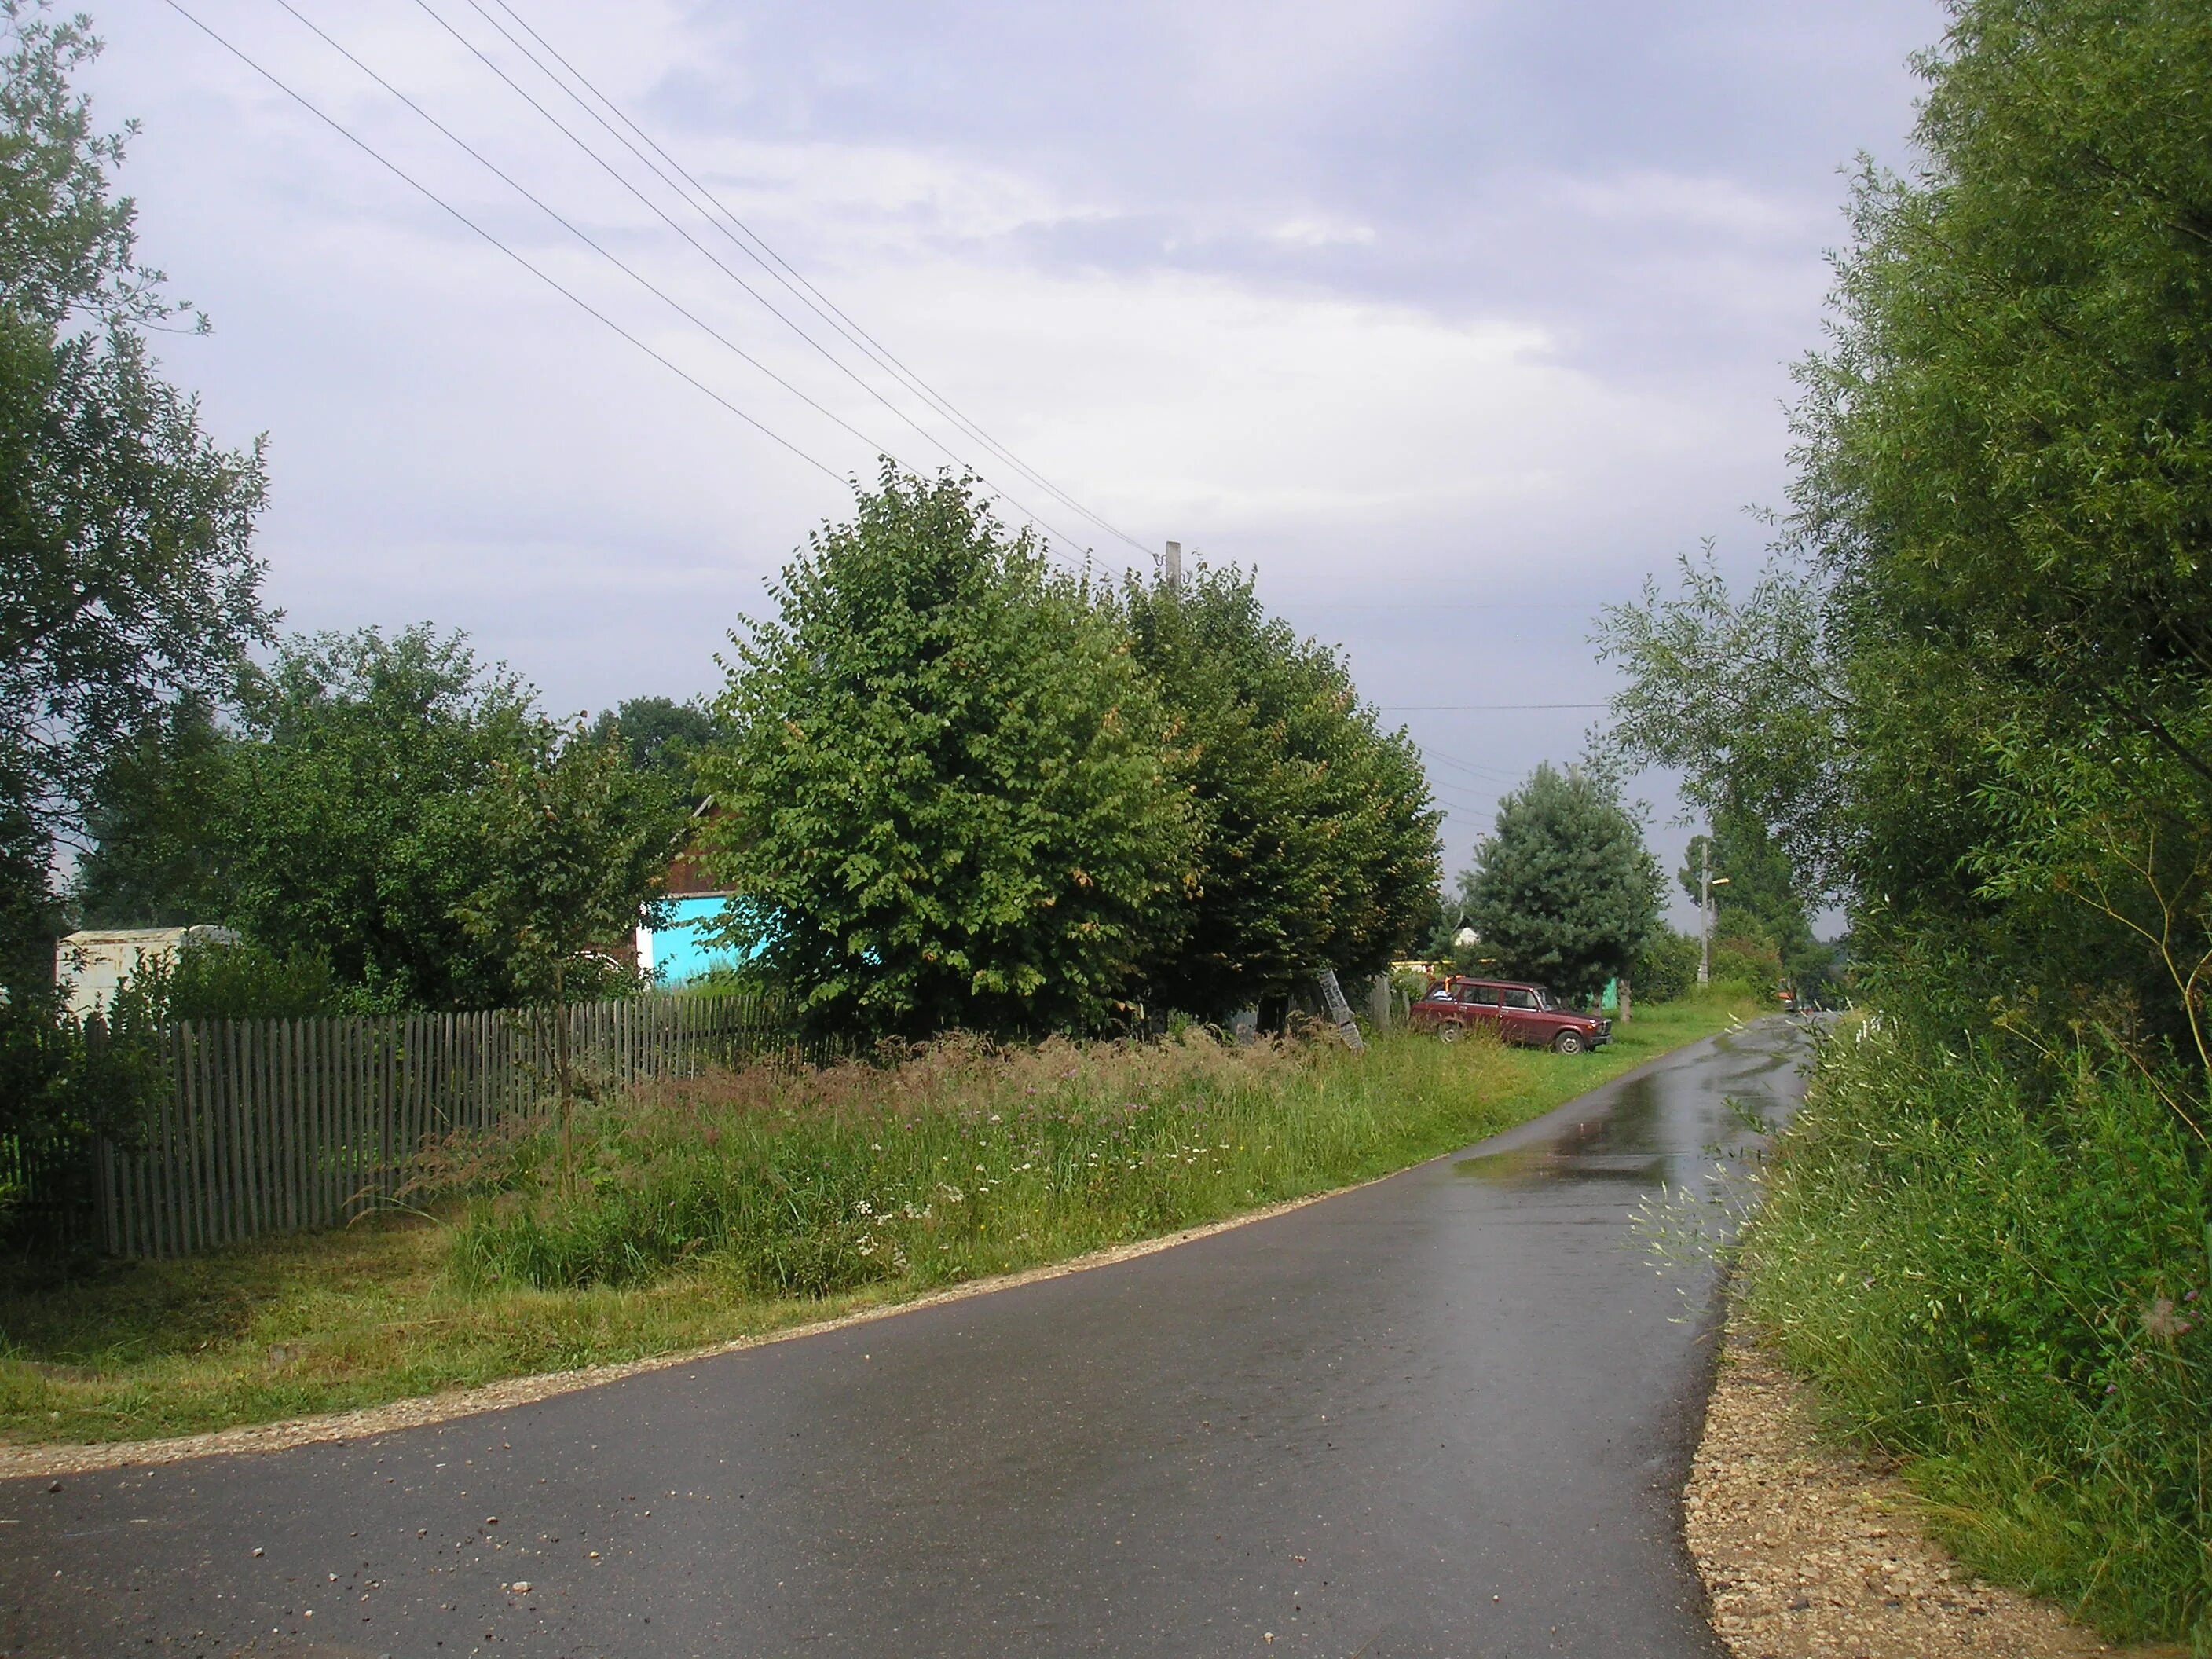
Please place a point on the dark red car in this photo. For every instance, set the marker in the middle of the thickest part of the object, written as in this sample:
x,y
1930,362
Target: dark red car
x,y
1519,1013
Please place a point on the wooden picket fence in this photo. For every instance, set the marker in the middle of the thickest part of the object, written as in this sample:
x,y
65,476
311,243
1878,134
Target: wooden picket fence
x,y
285,1125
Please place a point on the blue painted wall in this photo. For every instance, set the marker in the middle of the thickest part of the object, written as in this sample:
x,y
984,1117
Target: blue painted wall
x,y
679,951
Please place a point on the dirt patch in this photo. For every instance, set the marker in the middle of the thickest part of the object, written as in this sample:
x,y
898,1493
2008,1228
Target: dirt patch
x,y
1808,1551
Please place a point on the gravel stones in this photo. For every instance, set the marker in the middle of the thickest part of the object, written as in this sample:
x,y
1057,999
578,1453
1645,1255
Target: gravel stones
x,y
1807,1550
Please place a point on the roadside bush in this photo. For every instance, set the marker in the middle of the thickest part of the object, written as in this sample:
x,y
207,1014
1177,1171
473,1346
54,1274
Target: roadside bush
x,y
248,981
1668,969
2006,1283
1751,965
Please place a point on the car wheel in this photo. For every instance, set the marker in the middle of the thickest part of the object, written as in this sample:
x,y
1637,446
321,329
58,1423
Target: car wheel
x,y
1449,1031
1568,1042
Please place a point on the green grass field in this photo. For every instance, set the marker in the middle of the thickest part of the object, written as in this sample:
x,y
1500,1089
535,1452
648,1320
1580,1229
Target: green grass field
x,y
737,1204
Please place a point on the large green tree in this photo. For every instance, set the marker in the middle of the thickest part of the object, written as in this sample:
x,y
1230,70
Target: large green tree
x,y
1989,626
1563,891
126,577
1761,901
658,734
344,807
1318,843
579,843
946,798
1974,690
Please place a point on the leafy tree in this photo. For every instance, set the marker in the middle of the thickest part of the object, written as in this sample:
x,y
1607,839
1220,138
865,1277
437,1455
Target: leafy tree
x,y
337,811
356,820
1761,905
1564,892
153,816
578,846
1317,842
1973,694
126,578
945,793
658,734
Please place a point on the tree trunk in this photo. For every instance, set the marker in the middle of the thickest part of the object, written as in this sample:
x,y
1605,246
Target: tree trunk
x,y
1624,999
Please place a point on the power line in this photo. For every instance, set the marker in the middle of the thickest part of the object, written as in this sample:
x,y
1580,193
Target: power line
x,y
1480,773
615,259
575,299
777,266
706,253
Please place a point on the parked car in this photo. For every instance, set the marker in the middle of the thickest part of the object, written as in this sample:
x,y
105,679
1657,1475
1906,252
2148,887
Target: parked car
x,y
1518,1012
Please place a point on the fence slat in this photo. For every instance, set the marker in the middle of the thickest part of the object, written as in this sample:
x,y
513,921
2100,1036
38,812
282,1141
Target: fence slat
x,y
288,1125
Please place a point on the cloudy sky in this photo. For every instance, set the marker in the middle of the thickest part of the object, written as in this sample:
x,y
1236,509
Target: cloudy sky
x,y
1455,319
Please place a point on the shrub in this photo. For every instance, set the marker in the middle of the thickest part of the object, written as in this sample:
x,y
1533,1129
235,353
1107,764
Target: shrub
x,y
2007,1285
1668,969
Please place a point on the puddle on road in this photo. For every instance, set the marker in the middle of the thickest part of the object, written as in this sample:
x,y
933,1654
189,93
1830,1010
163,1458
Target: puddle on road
x,y
1534,1163
1666,1127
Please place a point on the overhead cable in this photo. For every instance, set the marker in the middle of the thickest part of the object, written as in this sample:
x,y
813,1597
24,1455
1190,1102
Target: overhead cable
x,y
566,292
706,253
774,263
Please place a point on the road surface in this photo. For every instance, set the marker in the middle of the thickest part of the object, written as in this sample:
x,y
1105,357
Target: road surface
x,y
1447,1413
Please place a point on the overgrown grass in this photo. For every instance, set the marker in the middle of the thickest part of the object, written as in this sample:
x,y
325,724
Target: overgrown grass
x,y
750,1201
2007,1287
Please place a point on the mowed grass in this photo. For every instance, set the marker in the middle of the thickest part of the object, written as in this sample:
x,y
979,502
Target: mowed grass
x,y
743,1203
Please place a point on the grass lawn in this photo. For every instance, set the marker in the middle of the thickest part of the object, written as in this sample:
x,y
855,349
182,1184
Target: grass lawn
x,y
703,1211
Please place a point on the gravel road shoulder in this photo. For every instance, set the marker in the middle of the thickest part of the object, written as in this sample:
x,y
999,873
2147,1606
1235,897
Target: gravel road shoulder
x,y
1808,1550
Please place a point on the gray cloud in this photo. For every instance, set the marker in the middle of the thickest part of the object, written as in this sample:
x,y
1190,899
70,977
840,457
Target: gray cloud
x,y
1454,318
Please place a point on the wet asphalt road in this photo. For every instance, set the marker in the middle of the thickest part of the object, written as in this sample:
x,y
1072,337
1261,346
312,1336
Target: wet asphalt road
x,y
1447,1413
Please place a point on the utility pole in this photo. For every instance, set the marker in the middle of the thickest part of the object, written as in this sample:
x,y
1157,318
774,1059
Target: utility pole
x,y
1706,882
1171,565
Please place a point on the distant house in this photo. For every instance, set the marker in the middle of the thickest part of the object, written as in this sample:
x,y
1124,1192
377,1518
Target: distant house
x,y
682,950
91,964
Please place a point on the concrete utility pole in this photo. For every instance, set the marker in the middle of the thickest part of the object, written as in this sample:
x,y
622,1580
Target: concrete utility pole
x,y
1706,882
1171,565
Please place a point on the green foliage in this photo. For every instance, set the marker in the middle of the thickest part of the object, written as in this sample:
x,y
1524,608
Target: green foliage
x,y
578,847
658,734
1973,695
364,801
354,821
946,796
1563,891
247,980
1744,698
2004,1277
65,1081
1666,967
160,797
1760,917
1318,844
126,580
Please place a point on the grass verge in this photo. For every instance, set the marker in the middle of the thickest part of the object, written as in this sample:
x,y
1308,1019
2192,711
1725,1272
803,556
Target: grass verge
x,y
742,1204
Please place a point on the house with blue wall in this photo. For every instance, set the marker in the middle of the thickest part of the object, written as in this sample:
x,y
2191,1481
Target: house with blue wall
x,y
681,951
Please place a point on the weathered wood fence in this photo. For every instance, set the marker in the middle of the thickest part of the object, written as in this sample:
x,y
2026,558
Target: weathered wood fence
x,y
283,1125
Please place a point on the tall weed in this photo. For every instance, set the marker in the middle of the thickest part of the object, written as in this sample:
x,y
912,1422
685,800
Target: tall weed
x,y
960,1157
2003,1279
